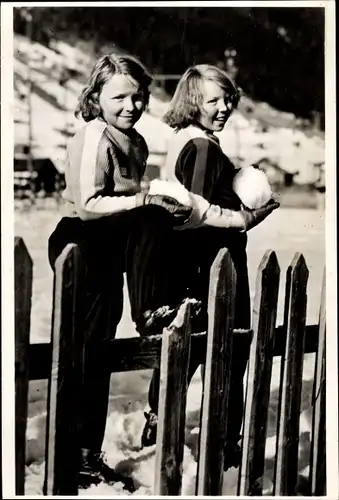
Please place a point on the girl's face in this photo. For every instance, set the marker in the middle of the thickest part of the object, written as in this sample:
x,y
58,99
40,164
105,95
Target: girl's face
x,y
216,106
121,101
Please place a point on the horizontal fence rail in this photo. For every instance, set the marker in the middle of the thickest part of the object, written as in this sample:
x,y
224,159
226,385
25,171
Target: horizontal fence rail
x,y
143,353
62,362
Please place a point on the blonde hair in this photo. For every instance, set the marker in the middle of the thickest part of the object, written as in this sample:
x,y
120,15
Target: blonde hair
x,y
184,108
107,66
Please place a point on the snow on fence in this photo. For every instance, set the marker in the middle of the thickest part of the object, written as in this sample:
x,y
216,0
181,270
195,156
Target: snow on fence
x,y
62,361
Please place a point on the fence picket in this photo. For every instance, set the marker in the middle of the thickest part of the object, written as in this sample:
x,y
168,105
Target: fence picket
x,y
288,438
281,338
217,375
23,302
259,376
62,450
318,447
175,353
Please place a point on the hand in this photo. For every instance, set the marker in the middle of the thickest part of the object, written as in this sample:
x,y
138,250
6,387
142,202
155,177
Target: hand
x,y
180,212
253,217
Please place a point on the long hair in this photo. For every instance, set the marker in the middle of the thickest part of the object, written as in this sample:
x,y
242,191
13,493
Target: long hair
x,y
184,108
108,65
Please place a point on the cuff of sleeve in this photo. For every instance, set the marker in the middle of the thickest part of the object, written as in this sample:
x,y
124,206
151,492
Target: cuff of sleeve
x,y
140,199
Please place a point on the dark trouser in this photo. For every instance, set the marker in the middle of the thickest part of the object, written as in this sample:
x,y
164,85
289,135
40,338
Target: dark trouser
x,y
140,243
198,250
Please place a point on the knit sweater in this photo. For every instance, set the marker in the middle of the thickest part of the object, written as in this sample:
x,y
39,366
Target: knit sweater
x,y
196,160
103,171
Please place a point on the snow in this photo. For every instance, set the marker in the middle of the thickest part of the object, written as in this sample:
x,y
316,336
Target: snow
x,y
122,451
242,137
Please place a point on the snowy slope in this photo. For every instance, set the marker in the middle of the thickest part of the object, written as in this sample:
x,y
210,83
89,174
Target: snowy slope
x,y
243,138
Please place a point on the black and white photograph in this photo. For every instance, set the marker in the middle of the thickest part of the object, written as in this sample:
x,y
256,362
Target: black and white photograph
x,y
168,182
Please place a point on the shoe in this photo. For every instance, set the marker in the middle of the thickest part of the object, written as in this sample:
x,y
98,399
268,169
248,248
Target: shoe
x,y
153,322
232,455
94,470
149,434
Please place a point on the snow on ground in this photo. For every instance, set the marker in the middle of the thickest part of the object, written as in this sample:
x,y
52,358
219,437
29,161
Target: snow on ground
x,y
122,447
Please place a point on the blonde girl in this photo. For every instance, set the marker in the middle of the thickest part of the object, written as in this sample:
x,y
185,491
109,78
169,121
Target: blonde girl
x,y
204,100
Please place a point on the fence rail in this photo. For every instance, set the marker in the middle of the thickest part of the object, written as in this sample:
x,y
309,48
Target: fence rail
x,y
61,361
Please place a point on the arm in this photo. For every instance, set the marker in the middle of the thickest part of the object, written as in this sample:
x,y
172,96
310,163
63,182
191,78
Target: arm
x,y
207,214
213,215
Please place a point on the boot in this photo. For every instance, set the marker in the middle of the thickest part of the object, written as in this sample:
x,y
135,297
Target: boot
x,y
198,324
232,454
94,470
153,322
149,434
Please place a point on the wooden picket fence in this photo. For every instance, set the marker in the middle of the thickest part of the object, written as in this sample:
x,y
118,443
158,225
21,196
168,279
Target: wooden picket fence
x,y
61,361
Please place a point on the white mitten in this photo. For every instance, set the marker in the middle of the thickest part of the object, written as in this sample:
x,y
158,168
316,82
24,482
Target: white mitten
x,y
252,187
182,195
170,188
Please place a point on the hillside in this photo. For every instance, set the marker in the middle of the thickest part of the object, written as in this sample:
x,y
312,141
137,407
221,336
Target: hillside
x,y
279,52
256,132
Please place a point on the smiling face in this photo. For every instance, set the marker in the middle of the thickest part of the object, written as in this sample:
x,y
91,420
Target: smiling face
x,y
216,106
121,101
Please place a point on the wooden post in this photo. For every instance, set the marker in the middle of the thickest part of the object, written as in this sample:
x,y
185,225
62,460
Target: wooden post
x,y
217,375
23,298
259,376
62,447
175,352
318,446
288,436
280,339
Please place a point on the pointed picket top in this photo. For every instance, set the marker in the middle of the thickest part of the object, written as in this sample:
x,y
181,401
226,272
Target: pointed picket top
x,y
23,283
269,261
222,262
269,264
23,260
299,270
20,243
268,269
268,275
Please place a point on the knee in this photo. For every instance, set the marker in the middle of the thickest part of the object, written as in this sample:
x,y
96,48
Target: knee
x,y
68,230
55,247
155,215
